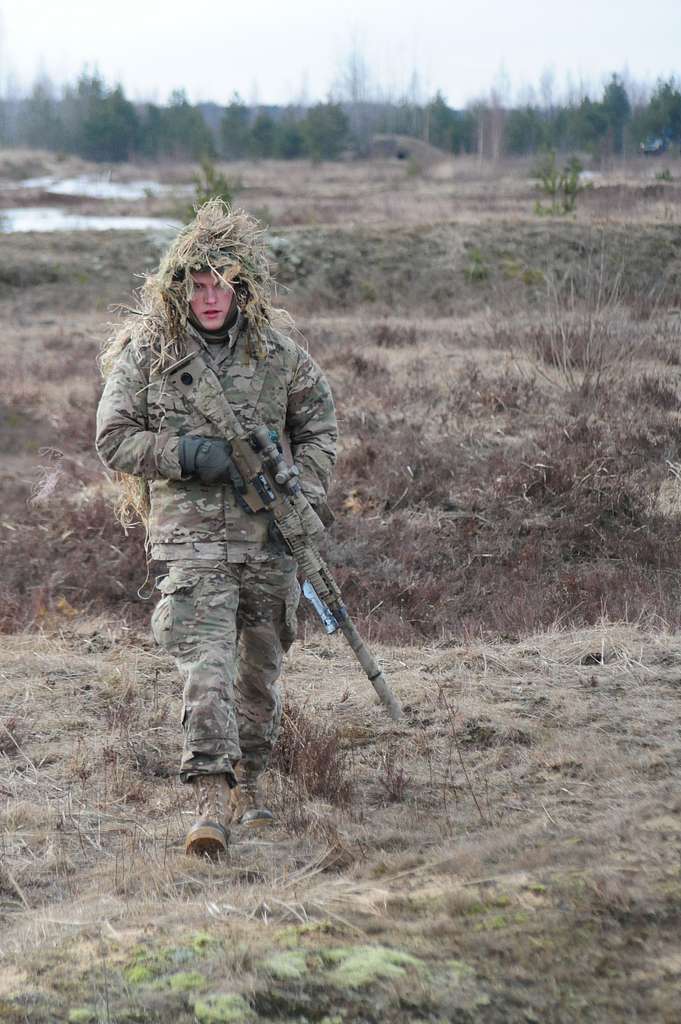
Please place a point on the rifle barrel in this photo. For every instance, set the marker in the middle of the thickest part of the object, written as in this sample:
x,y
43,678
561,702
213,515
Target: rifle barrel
x,y
368,663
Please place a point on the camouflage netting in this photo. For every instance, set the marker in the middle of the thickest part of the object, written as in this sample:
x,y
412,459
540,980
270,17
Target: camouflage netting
x,y
231,244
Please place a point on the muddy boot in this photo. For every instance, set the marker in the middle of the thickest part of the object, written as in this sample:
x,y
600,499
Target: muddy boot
x,y
249,809
209,835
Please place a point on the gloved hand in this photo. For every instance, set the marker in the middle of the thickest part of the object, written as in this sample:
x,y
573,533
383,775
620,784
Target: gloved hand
x,y
209,459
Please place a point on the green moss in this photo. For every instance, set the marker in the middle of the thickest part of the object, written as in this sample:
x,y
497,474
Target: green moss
x,y
201,941
287,966
293,933
185,981
363,965
139,974
82,1015
223,1009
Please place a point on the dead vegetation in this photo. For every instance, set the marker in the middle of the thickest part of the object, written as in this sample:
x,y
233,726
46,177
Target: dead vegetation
x,y
528,462
507,504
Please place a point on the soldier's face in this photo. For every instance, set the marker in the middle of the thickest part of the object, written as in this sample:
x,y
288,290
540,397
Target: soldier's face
x,y
211,301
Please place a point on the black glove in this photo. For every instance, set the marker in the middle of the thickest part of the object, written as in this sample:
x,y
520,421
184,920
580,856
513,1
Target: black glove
x,y
209,459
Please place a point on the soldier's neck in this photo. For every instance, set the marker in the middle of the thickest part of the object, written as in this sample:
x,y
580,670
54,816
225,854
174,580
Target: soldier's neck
x,y
221,335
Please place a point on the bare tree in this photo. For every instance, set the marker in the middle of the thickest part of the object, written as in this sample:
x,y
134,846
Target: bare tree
x,y
353,90
547,85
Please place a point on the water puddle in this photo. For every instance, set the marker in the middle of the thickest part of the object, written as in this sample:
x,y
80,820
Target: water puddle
x,y
93,187
51,218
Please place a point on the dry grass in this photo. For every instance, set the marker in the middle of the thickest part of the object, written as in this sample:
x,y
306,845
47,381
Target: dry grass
x,y
537,781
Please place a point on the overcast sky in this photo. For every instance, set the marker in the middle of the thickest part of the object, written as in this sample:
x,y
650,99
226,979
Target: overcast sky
x,y
275,51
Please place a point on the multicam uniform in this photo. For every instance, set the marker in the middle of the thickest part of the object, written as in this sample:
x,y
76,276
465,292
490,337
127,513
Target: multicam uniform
x,y
228,610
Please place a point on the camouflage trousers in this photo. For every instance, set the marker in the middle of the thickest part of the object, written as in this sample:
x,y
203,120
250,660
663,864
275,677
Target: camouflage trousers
x,y
228,627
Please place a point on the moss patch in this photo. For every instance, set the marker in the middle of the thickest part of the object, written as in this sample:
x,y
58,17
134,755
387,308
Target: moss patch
x,y
460,970
82,1015
362,965
291,935
202,941
186,981
139,974
223,1009
289,966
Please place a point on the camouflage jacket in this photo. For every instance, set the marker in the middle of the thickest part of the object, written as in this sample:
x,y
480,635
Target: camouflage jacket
x,y
143,413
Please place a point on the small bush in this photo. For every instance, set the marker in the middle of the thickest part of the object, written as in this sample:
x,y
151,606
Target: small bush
x,y
392,776
310,754
561,187
11,731
387,335
477,269
651,390
68,555
210,184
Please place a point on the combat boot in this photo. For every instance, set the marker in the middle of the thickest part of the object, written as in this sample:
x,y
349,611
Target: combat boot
x,y
249,803
209,835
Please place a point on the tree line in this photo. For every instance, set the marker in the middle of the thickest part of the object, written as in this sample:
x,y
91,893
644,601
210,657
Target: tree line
x,y
98,122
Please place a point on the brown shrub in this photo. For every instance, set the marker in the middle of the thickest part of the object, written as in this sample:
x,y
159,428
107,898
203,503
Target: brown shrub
x,y
393,777
506,540
310,754
474,393
652,390
11,731
390,335
400,466
69,555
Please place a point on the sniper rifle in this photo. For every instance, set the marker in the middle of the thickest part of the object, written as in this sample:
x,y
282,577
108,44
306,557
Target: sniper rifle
x,y
272,485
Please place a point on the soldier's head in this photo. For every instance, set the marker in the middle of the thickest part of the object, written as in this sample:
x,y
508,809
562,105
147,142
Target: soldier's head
x,y
219,254
211,300
218,261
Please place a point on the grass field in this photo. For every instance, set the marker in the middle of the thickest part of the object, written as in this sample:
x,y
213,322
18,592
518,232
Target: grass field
x,y
507,537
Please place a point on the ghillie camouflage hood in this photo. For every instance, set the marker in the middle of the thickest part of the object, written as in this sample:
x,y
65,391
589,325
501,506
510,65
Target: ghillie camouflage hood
x,y
231,244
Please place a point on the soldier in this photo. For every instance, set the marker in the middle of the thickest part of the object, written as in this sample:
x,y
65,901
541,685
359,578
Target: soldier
x,y
205,332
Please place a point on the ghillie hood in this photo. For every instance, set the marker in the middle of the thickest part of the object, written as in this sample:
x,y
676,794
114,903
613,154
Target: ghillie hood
x,y
231,244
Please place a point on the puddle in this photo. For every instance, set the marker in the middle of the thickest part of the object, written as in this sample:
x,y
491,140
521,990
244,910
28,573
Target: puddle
x,y
98,188
42,218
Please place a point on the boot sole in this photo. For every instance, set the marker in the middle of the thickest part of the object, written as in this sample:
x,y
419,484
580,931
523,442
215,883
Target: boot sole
x,y
206,839
256,819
